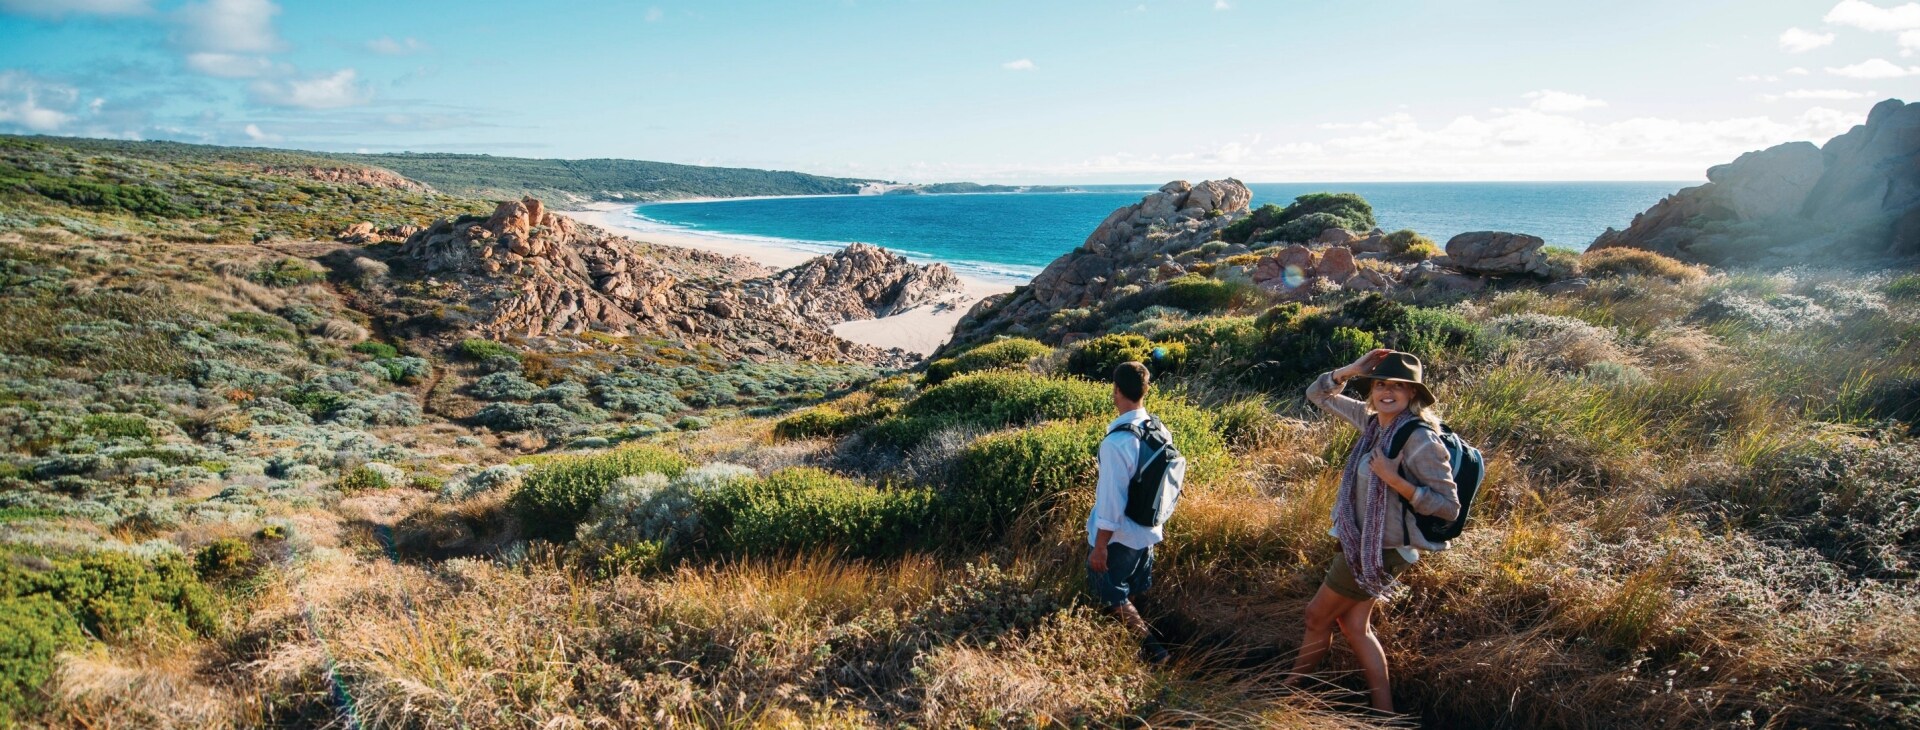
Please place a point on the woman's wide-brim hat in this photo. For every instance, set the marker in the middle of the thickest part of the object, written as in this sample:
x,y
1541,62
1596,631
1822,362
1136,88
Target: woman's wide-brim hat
x,y
1401,367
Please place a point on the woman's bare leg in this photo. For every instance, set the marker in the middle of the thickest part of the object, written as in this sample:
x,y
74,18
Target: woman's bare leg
x,y
1323,612
1357,624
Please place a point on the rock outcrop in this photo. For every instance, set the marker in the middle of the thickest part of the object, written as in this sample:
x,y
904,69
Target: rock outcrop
x,y
364,234
1495,253
1856,197
372,177
1135,245
527,272
863,281
1172,233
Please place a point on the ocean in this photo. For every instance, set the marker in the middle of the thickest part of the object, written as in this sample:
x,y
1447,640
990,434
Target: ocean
x,y
1010,237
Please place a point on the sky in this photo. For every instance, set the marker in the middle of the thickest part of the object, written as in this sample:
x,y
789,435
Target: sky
x,y
1069,91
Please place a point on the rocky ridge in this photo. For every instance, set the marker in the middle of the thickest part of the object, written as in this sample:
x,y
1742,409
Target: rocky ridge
x,y
861,281
1173,232
528,272
372,177
1135,245
1856,197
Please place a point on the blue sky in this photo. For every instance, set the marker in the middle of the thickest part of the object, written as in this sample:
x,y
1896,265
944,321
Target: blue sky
x,y
1073,91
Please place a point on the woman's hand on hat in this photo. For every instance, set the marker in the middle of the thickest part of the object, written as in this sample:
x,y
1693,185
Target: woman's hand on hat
x,y
1364,365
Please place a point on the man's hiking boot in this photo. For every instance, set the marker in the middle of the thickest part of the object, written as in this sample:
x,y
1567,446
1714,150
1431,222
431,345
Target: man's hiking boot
x,y
1153,652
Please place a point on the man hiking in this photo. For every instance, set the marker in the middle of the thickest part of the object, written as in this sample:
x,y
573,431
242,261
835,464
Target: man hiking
x,y
1140,478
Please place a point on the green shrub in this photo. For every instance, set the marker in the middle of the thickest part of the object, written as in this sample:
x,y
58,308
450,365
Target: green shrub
x,y
1348,344
829,421
1431,334
363,478
116,426
401,370
1562,262
265,325
33,630
1308,227
113,594
992,400
1218,339
939,371
1279,319
1300,346
1406,245
1303,220
1248,423
1004,475
543,417
1095,359
801,508
1198,294
379,350
289,272
140,200
224,559
1241,231
479,350
1006,353
1904,287
557,495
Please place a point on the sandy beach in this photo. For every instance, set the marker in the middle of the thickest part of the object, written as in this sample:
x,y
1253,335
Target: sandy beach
x,y
919,330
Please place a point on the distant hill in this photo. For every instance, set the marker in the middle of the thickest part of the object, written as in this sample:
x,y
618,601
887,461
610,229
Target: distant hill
x,y
490,177
487,176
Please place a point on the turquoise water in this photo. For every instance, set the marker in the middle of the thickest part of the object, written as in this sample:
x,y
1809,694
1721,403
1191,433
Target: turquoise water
x,y
1011,236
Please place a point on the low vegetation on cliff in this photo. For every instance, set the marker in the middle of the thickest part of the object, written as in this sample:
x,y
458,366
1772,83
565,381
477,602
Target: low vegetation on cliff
x,y
239,491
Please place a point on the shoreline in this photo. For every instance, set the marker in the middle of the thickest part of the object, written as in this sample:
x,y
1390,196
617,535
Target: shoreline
x,y
920,330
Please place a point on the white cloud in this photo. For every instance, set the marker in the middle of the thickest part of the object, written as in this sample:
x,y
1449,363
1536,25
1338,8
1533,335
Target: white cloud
x,y
1868,16
1769,78
1548,100
388,46
1909,42
338,89
256,134
1878,68
1222,5
1797,71
655,14
63,8
1506,144
228,26
1795,40
31,105
1024,64
229,65
1823,94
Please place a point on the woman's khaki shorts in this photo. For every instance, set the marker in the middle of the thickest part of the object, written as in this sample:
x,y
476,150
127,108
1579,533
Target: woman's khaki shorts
x,y
1340,576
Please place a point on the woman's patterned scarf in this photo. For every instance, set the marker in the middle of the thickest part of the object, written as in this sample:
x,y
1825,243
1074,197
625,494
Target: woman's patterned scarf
x,y
1362,546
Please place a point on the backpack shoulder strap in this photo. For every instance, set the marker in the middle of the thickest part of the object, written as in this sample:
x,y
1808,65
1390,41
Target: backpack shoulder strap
x,y
1399,441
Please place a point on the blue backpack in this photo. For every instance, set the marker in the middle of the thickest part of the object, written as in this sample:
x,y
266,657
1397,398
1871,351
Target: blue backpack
x,y
1469,467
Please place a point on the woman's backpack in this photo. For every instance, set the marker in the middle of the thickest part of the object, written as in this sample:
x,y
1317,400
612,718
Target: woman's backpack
x,y
1469,467
1158,475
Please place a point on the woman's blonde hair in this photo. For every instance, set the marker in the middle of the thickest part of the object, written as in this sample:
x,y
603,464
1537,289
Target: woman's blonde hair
x,y
1422,408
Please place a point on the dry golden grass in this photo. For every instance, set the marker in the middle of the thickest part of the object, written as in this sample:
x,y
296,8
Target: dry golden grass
x,y
1631,261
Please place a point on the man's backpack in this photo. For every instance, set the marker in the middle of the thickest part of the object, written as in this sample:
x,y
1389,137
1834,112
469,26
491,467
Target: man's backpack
x,y
1469,467
1158,475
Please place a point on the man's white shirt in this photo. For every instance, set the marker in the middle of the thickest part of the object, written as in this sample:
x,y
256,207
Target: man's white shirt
x,y
1119,455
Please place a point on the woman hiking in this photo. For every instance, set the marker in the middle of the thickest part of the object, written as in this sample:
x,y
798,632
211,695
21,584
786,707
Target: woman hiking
x,y
1377,537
